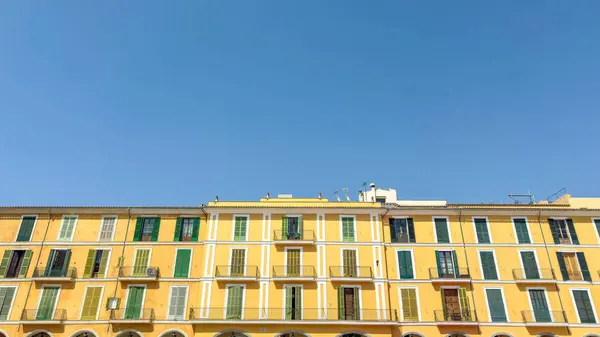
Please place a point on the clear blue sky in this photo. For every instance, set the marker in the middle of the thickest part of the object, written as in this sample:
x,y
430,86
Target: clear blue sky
x,y
174,102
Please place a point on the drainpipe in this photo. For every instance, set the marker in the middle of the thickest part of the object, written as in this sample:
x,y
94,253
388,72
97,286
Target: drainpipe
x,y
562,308
387,274
462,235
36,261
121,258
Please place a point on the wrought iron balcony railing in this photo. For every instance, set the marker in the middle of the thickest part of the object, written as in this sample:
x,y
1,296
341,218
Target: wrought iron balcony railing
x,y
132,314
534,274
293,271
43,315
451,274
235,313
45,273
139,272
305,235
350,272
466,316
544,316
237,272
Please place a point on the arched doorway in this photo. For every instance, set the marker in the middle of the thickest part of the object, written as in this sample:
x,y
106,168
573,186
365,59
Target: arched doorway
x,y
129,333
39,334
3,334
84,333
173,333
231,333
352,335
457,334
412,334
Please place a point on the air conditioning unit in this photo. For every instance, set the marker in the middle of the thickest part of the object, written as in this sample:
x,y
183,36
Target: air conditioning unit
x,y
153,272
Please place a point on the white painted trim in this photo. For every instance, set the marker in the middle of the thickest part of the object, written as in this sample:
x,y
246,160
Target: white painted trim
x,y
342,227
527,289
487,225
591,301
62,224
412,258
99,301
230,264
227,286
32,228
127,299
247,216
301,300
400,301
357,261
44,286
285,258
512,219
12,302
487,304
112,237
187,293
495,263
435,236
596,228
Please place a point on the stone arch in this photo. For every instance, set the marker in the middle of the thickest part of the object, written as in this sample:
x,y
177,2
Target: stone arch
x,y
83,332
413,334
129,333
39,333
173,333
232,333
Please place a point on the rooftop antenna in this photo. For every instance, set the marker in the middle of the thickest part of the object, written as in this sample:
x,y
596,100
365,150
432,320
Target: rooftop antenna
x,y
517,198
337,196
364,186
268,195
345,189
216,198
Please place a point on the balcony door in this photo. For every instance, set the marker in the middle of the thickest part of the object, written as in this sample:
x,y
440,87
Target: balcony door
x,y
238,261
293,262
293,303
451,305
57,262
348,304
349,263
530,265
541,312
47,304
135,299
446,264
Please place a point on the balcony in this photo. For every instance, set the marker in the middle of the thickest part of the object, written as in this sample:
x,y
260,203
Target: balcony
x,y
43,316
534,276
294,273
132,315
294,239
544,318
351,274
237,273
458,275
139,274
282,315
66,275
457,317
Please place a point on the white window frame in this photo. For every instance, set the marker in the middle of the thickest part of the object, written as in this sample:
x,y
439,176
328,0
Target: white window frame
x,y
591,301
44,286
412,260
487,225
342,227
229,265
557,219
453,256
227,286
285,257
189,265
301,300
187,293
512,219
547,301
36,216
62,224
578,265
235,216
143,298
357,260
487,303
12,302
495,263
112,235
447,227
402,307
99,302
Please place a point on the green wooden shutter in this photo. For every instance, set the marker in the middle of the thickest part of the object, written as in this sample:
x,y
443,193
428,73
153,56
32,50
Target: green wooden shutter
x,y
522,232
441,228
585,271
288,302
584,306
348,229
196,229
238,262
409,305
5,262
393,230
540,306
300,231
554,230
45,310
349,262
240,229
91,302
483,236
464,303
562,266
6,297
341,308
488,266
48,270
234,302
284,228
405,264
134,303
438,263
89,263
182,263
65,266
140,264
293,262
357,311
155,229
25,264
456,274
26,229
530,265
496,305
411,230
572,232
178,229
103,263
444,307
137,234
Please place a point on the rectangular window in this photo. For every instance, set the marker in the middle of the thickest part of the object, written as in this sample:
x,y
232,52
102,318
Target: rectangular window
x,y
107,228
7,295
539,305
447,265
488,265
441,230
91,303
348,303
405,266
182,263
177,303
293,302
135,302
402,230
350,265
563,231
96,263
291,228
348,229
597,224
530,265
47,304
58,262
293,262
15,263
584,306
141,262
521,230
26,228
573,266
235,295
408,301
495,300
146,229
240,228
481,226
238,262
455,303
186,229
67,228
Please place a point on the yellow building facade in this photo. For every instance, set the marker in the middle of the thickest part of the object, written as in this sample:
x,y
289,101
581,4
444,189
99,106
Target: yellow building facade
x,y
302,267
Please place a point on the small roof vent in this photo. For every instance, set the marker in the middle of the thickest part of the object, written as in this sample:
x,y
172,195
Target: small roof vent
x,y
284,196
